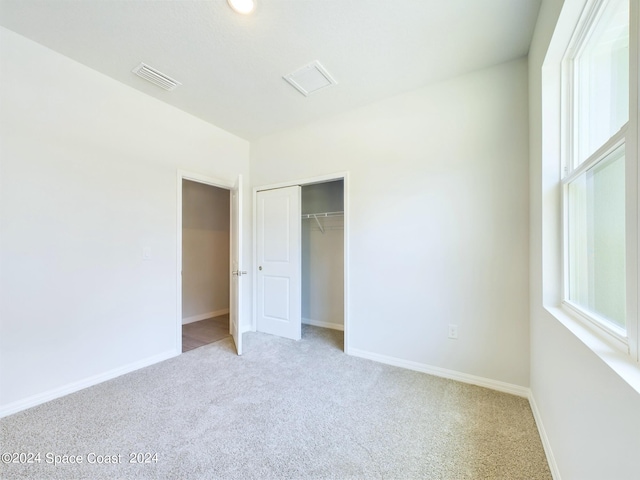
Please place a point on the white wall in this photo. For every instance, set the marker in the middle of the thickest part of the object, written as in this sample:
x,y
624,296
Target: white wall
x,y
438,195
590,415
323,273
88,179
205,251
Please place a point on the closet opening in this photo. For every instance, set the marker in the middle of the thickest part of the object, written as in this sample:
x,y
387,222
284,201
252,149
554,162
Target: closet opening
x,y
205,264
322,254
301,238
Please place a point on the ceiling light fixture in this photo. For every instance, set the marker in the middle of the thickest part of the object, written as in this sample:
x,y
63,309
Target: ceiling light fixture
x,y
245,7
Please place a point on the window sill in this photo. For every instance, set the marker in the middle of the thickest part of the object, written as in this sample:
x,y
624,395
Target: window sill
x,y
621,363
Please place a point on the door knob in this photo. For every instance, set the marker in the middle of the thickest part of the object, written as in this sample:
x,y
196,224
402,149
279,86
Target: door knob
x,y
260,268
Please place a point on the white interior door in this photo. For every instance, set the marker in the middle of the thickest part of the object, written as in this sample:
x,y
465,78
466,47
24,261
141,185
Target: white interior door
x,y
235,290
278,238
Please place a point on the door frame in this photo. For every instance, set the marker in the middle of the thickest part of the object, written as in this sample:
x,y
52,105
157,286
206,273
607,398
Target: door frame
x,y
206,180
344,176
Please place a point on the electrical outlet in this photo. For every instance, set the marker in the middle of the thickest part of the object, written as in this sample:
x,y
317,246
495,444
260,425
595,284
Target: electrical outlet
x,y
453,331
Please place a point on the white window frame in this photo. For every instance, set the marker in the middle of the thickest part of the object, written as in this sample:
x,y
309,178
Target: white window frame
x,y
624,341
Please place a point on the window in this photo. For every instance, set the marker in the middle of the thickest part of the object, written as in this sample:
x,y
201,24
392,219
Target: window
x,y
598,151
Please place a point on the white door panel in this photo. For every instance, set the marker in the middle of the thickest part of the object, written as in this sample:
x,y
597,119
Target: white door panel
x,y
278,239
276,298
276,217
235,292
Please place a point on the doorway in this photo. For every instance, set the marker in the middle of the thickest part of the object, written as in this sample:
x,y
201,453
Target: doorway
x,y
205,264
322,251
301,256
220,231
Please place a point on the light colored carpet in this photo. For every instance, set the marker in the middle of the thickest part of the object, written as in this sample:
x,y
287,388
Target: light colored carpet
x,y
284,410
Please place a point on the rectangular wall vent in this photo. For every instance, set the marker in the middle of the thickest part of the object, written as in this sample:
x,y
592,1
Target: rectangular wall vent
x,y
310,78
154,76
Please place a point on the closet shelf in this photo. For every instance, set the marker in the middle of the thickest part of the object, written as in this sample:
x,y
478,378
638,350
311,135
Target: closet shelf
x,y
322,215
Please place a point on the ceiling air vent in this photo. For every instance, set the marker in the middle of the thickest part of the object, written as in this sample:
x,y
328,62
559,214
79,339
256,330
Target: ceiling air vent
x,y
310,78
156,77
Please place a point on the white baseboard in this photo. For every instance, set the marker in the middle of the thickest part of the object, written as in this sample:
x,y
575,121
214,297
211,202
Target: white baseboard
x,y
473,380
317,323
551,460
40,398
444,373
204,316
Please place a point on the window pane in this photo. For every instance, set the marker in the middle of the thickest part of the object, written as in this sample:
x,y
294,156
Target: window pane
x,y
596,230
602,80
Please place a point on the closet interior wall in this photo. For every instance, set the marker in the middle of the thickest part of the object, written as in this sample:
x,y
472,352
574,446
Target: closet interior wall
x,y
323,254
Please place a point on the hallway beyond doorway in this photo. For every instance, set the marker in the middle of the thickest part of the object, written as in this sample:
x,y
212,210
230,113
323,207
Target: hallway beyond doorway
x,y
204,332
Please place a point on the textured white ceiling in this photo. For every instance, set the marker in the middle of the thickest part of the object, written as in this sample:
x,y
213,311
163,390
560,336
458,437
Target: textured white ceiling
x,y
231,66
